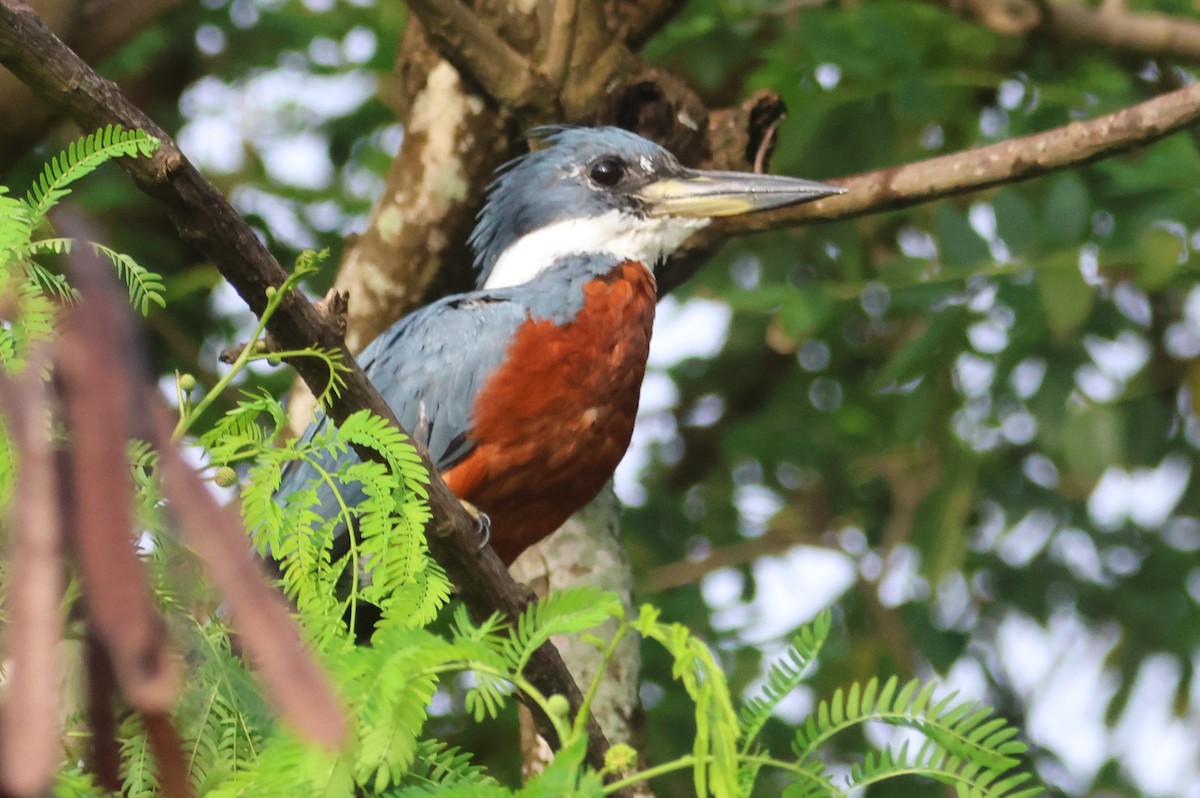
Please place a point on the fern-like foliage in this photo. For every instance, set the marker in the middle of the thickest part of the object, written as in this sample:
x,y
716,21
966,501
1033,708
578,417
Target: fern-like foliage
x,y
55,285
784,676
33,288
16,228
566,612
145,287
73,782
441,768
224,719
388,512
82,157
251,427
138,776
715,747
964,745
31,321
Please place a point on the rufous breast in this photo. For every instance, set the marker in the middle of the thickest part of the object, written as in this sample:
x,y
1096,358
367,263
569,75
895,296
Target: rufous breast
x,y
553,422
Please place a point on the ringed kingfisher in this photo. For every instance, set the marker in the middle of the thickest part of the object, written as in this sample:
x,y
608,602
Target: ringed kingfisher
x,y
525,390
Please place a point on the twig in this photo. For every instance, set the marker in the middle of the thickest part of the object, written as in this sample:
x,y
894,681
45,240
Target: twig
x,y
104,752
205,218
636,21
1112,26
99,405
765,147
777,540
261,346
333,308
984,167
168,755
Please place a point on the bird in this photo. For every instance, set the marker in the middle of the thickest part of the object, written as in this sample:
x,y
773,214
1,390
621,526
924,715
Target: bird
x,y
525,390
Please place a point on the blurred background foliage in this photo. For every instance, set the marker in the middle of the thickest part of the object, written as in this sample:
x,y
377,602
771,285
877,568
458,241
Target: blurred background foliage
x,y
970,426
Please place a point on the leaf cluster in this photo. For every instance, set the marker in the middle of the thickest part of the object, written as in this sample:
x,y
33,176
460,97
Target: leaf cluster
x,y
31,289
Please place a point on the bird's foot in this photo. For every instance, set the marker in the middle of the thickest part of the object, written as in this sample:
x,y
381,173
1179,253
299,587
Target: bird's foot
x,y
483,524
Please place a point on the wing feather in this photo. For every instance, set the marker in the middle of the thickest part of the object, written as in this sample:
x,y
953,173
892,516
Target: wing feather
x,y
429,367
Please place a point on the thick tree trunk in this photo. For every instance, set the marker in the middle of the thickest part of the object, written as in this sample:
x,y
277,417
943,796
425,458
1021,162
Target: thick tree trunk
x,y
587,550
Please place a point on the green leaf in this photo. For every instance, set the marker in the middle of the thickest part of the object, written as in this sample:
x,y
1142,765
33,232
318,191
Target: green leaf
x,y
784,676
1066,212
16,229
1093,438
1161,254
562,612
1066,299
145,287
80,158
959,246
931,344
805,309
1015,223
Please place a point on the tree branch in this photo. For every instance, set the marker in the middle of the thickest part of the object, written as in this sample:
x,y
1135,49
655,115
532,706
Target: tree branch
x,y
559,41
205,218
635,21
972,170
95,29
688,572
1111,26
475,49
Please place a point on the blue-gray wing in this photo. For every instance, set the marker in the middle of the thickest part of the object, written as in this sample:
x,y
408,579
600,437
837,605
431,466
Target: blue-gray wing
x,y
429,366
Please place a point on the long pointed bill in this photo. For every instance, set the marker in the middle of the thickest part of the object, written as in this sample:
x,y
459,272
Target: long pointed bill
x,y
708,194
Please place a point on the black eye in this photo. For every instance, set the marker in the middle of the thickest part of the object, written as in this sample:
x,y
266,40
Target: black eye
x,y
607,172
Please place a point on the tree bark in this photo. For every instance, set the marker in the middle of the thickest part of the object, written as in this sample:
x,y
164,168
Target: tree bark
x,y
1110,26
587,551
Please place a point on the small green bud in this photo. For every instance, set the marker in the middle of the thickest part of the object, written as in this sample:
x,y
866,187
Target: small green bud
x,y
620,758
186,382
558,705
270,291
226,477
273,360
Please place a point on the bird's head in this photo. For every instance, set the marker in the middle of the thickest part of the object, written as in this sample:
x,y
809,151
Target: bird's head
x,y
610,192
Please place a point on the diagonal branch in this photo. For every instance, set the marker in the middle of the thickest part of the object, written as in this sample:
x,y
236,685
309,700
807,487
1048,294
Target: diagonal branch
x,y
204,217
96,29
1007,162
475,49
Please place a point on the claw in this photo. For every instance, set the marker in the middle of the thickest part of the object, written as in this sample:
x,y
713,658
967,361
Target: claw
x,y
483,524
